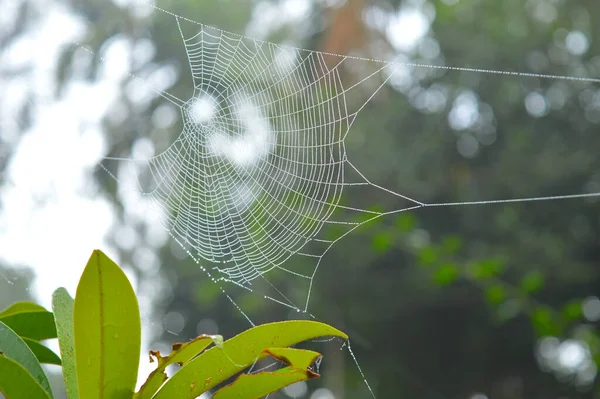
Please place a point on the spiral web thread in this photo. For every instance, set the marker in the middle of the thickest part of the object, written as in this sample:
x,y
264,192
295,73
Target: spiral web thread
x,y
260,166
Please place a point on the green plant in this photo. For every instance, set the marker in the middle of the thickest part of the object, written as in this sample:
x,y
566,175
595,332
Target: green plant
x,y
99,339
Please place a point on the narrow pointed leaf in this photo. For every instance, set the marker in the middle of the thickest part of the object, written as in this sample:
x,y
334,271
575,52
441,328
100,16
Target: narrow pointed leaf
x,y
42,352
258,385
20,307
182,354
36,325
13,347
62,306
219,363
254,386
17,383
107,331
297,358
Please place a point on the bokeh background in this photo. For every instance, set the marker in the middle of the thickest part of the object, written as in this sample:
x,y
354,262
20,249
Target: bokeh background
x,y
483,301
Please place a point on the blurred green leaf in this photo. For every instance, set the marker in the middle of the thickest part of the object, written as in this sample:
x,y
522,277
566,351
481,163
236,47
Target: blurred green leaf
x,y
487,268
42,353
107,331
543,321
427,256
240,352
532,282
446,274
251,386
591,337
495,294
382,241
406,222
572,311
17,383
14,348
63,307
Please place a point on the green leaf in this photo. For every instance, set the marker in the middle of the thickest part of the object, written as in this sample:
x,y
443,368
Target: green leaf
x,y
427,256
13,347
20,307
255,386
42,352
486,269
532,282
182,354
495,294
107,331
544,322
34,324
446,274
216,364
297,358
17,383
62,306
572,311
258,385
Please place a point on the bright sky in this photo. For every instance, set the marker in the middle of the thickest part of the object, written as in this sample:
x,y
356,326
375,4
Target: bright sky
x,y
46,223
51,217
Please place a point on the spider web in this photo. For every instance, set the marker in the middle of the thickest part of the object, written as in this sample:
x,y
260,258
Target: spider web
x,y
260,167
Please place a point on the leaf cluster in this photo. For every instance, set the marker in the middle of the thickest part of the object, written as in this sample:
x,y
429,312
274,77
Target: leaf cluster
x,y
99,335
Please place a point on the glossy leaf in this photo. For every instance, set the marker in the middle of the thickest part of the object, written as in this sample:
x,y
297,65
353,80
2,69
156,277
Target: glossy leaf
x,y
182,354
17,383
107,331
62,306
13,347
42,352
250,386
240,352
37,324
